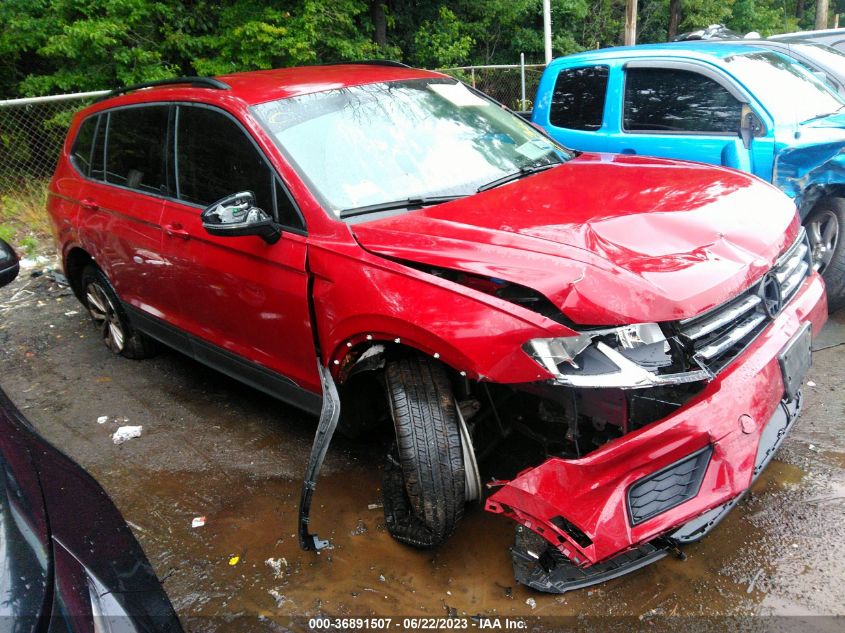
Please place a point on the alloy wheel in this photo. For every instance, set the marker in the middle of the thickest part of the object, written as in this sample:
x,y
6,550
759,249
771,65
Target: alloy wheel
x,y
823,232
105,317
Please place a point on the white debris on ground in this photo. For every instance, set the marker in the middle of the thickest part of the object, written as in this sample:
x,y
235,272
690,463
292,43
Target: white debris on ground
x,y
198,522
102,419
125,433
278,565
531,603
28,263
810,383
278,597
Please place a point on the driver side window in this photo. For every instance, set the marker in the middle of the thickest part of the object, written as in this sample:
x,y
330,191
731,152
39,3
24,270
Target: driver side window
x,y
215,158
672,100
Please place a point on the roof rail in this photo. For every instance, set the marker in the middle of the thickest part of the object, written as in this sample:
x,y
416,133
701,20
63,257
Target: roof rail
x,y
197,82
368,62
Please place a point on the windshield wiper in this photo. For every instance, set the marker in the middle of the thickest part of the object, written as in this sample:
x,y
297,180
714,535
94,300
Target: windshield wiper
x,y
823,115
522,173
420,201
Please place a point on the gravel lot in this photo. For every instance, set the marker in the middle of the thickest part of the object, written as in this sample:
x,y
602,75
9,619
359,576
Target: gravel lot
x,y
212,447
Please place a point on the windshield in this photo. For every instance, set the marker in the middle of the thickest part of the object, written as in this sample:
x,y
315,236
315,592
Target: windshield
x,y
426,138
824,56
784,86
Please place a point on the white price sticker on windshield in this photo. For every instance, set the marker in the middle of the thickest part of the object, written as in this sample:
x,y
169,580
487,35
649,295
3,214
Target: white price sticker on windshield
x,y
458,94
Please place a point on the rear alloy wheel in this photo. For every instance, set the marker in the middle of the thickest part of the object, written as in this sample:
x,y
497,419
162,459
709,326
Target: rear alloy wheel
x,y
424,477
104,307
825,230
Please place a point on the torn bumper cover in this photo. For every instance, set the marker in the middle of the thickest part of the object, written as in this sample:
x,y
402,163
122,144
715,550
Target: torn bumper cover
x,y
620,507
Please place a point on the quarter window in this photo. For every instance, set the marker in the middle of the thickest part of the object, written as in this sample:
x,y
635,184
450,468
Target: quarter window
x,y
137,148
83,146
578,98
672,100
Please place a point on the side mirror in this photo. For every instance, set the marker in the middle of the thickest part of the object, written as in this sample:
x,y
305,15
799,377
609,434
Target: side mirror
x,y
749,126
9,266
237,216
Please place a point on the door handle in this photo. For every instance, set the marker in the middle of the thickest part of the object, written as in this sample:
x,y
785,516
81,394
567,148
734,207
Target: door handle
x,y
630,151
88,204
176,230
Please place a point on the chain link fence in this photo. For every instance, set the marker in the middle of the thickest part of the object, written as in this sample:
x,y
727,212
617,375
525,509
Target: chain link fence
x,y
503,82
31,135
32,132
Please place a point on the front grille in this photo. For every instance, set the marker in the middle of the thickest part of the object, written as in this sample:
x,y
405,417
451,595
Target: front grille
x,y
719,335
667,488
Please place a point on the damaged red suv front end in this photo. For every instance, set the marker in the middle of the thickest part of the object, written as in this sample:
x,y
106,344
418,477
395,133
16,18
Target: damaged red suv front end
x,y
651,432
673,479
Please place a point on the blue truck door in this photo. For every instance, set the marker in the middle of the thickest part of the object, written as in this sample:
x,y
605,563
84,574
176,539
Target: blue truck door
x,y
679,111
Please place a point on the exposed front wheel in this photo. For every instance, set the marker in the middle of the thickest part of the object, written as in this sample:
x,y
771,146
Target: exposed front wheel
x,y
825,229
108,316
424,479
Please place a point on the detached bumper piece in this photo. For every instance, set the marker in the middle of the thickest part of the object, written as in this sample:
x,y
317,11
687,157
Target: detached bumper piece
x,y
543,567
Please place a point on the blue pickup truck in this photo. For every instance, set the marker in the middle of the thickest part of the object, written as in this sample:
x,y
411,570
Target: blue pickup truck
x,y
739,106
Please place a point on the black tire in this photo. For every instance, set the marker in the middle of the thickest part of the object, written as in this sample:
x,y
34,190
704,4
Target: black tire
x,y
107,313
826,230
424,480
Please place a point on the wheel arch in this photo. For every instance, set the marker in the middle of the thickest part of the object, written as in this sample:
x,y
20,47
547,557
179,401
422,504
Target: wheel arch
x,y
811,196
367,350
75,261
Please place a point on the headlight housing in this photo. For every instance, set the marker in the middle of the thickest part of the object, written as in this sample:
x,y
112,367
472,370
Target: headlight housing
x,y
627,357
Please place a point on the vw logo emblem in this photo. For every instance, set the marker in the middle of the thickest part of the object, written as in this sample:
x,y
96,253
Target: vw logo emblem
x,y
772,299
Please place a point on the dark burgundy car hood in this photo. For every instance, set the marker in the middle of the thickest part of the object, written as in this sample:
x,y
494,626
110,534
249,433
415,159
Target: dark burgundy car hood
x,y
610,239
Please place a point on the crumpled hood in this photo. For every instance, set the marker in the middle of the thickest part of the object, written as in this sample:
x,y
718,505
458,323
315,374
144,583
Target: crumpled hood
x,y
610,239
815,155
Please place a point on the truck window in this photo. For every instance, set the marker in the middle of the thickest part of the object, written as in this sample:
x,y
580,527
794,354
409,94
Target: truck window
x,y
578,98
672,100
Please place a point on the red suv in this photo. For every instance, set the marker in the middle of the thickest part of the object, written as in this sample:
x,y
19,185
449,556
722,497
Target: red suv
x,y
389,243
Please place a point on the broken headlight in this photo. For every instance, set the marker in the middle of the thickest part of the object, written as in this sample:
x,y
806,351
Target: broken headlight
x,y
627,357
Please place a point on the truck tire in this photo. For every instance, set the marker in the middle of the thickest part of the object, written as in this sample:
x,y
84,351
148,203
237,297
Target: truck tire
x,y
826,230
424,480
107,313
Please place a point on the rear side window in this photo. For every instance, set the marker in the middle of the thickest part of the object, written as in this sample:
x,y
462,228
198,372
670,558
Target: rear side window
x,y
83,146
137,148
578,98
672,100
215,158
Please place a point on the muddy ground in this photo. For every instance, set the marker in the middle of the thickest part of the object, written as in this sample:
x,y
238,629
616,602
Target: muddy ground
x,y
212,447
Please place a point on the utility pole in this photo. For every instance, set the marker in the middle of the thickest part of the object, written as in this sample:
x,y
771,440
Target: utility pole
x,y
821,14
631,22
547,29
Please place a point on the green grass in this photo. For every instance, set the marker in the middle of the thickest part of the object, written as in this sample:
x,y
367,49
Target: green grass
x,y
23,217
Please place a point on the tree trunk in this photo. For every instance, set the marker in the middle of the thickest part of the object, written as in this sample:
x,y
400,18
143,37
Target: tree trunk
x,y
631,23
675,17
799,8
821,14
379,18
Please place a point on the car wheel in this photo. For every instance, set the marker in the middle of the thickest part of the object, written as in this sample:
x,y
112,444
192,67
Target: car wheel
x,y
424,479
826,230
108,316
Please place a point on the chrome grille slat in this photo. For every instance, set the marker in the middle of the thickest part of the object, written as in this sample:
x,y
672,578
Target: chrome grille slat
x,y
722,318
720,334
733,337
792,282
784,269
